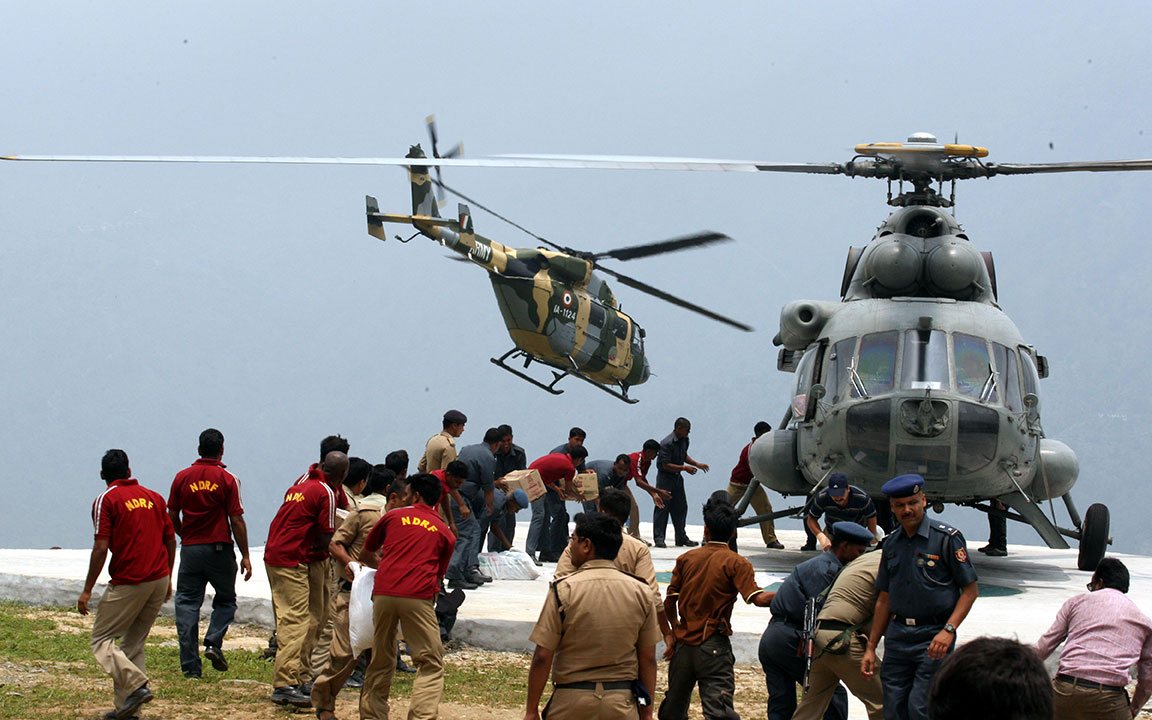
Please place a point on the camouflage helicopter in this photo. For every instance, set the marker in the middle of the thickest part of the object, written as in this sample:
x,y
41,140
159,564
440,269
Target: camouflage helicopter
x,y
558,311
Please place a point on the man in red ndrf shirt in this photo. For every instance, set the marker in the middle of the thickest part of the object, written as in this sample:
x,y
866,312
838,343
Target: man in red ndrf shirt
x,y
132,522
305,521
415,546
206,511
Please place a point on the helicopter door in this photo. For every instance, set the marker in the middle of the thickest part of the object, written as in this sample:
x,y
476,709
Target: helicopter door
x,y
802,382
1009,376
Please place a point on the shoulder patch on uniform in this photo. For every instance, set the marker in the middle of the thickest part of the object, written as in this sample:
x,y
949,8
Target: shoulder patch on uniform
x,y
962,555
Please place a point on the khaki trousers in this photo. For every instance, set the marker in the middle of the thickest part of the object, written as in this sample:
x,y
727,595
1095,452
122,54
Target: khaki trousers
x,y
417,618
1076,702
290,598
760,504
126,613
320,652
598,704
633,514
341,662
829,670
318,597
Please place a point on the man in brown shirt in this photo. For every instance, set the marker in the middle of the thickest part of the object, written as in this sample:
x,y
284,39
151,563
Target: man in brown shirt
x,y
634,557
841,637
596,634
699,601
441,447
383,492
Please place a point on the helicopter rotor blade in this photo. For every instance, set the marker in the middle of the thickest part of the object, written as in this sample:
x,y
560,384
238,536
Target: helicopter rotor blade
x,y
1089,166
664,246
668,297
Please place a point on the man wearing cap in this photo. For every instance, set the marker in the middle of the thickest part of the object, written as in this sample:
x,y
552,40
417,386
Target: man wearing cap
x,y
841,635
839,502
926,587
506,504
441,447
779,645
738,486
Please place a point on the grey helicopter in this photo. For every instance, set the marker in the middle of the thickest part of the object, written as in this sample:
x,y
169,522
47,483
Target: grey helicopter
x,y
916,369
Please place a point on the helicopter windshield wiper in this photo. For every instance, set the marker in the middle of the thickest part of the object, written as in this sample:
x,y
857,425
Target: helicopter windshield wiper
x,y
857,382
989,385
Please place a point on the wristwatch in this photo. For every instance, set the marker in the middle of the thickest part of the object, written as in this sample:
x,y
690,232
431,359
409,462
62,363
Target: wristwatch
x,y
950,628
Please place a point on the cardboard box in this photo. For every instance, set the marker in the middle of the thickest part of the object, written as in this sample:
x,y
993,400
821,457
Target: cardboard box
x,y
527,480
587,486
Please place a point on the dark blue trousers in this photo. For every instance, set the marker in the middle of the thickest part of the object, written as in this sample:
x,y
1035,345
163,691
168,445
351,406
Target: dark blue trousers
x,y
200,565
908,671
675,507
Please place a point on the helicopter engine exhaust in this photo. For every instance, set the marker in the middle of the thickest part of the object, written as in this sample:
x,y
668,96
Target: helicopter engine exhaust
x,y
801,322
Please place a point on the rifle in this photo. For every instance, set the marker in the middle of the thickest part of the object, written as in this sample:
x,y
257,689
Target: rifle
x,y
808,637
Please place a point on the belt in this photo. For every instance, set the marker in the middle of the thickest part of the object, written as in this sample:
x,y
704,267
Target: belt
x,y
1072,680
918,621
611,685
832,625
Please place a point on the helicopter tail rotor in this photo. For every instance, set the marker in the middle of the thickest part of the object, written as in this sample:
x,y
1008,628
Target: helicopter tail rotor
x,y
456,150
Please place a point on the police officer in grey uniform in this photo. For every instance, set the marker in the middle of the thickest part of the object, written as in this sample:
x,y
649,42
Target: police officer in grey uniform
x,y
927,586
783,667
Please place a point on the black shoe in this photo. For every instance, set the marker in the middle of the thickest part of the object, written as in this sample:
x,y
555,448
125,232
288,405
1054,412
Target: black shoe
x,y
355,680
775,545
133,702
305,688
549,558
462,584
660,544
995,551
538,563
403,666
216,655
290,695
111,715
476,576
809,547
192,674
687,543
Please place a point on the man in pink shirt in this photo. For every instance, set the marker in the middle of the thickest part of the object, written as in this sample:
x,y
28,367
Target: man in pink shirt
x,y
1106,635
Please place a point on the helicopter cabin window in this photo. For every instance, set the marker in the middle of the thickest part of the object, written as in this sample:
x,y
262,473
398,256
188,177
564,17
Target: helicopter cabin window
x,y
1009,379
1031,382
836,374
596,315
974,376
925,360
620,327
876,366
802,382
868,425
977,437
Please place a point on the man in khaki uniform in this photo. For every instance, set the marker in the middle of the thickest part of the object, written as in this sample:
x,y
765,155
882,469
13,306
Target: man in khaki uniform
x,y
841,636
441,448
596,634
382,493
633,558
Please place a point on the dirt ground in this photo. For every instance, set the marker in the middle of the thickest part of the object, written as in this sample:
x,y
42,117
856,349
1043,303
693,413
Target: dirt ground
x,y
242,699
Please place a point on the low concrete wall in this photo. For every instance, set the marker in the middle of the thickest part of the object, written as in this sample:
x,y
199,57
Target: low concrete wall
x,y
57,591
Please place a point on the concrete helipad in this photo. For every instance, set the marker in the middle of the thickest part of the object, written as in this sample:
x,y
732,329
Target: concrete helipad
x,y
1019,594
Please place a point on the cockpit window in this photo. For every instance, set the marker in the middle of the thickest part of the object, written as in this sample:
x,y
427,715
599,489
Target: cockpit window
x,y
836,381
925,360
973,368
1009,379
802,382
876,366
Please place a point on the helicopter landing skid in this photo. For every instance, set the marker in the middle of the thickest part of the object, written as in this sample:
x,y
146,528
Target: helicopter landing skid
x,y
517,353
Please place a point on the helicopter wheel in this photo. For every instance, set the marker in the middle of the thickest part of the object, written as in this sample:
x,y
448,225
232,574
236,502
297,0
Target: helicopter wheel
x,y
1093,537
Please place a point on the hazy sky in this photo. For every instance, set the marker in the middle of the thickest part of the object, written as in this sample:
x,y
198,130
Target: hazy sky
x,y
143,303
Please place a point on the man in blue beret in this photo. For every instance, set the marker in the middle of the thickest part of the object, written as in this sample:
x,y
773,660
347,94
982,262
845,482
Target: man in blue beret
x,y
926,587
783,666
